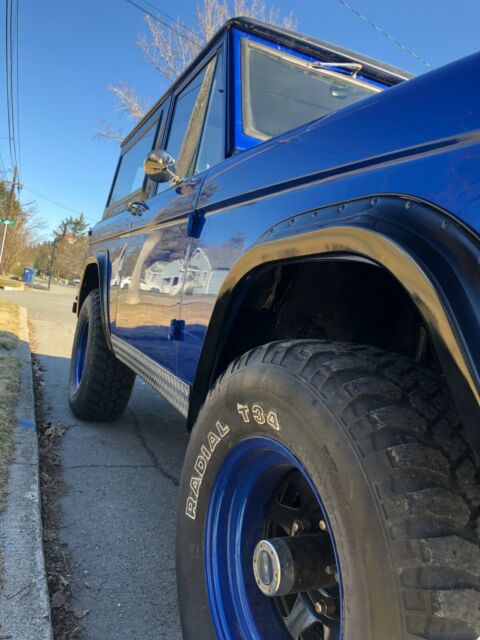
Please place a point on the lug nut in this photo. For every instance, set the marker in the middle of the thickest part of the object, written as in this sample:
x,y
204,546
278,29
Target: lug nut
x,y
331,569
323,525
297,527
324,607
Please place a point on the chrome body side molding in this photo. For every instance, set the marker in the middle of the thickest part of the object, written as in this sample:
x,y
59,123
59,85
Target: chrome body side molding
x,y
166,383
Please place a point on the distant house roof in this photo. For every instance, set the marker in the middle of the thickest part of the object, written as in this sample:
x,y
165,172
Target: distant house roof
x,y
157,267
220,257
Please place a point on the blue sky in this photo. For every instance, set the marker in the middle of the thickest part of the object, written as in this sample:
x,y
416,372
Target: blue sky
x,y
70,52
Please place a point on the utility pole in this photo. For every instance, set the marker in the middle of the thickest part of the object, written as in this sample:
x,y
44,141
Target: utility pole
x,y
8,221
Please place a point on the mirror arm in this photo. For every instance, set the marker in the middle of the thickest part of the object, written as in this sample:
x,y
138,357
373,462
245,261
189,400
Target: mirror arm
x,y
174,178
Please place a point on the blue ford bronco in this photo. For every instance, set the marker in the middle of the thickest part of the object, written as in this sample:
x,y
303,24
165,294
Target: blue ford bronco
x,y
290,255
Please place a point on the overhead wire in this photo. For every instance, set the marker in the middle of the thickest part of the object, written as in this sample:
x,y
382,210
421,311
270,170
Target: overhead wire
x,y
2,167
198,43
169,17
59,204
17,85
387,35
11,78
7,78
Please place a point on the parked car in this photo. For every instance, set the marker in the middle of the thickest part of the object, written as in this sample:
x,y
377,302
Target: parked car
x,y
298,229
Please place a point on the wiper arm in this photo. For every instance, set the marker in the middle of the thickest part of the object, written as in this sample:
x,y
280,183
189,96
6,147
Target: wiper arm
x,y
353,67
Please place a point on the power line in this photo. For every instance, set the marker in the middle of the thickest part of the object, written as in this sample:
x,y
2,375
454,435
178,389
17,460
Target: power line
x,y
2,166
348,6
184,26
10,32
11,40
7,71
59,204
165,24
17,31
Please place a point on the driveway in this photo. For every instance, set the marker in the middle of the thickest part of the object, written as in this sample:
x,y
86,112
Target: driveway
x,y
119,507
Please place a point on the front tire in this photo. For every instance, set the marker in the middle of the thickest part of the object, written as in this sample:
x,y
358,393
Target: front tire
x,y
100,385
363,451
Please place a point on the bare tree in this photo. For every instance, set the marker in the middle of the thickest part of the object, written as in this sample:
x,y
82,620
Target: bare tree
x,y
170,49
21,234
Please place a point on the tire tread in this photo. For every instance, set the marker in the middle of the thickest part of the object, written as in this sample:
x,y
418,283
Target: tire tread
x,y
417,457
107,383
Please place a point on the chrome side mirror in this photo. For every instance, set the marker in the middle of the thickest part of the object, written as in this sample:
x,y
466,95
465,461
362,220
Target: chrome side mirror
x,y
159,166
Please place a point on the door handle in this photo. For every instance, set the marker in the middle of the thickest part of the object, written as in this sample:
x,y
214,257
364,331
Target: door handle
x,y
137,207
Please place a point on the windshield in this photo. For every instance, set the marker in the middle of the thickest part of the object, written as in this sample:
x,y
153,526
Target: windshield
x,y
281,91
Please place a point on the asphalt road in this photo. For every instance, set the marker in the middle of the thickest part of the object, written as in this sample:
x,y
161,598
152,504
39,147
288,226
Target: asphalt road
x,y
118,512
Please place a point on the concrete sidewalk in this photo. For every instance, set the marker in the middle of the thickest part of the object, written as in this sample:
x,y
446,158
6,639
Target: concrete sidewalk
x,y
24,602
119,497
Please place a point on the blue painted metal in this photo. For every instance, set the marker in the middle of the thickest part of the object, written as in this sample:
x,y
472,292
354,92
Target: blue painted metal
x,y
80,353
419,139
195,225
242,489
372,148
176,330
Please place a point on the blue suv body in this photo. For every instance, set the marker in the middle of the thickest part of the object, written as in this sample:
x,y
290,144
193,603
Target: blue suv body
x,y
317,195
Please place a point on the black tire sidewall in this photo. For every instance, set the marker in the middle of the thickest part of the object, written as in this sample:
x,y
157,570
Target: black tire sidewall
x,y
320,441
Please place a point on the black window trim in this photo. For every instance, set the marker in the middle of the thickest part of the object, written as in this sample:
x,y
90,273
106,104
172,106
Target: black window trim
x,y
145,191
163,115
173,97
220,51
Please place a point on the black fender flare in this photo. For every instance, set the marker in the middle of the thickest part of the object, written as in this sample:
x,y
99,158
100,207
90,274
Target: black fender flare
x,y
429,252
101,263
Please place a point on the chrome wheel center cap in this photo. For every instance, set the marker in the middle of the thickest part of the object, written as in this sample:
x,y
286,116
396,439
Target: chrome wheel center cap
x,y
266,568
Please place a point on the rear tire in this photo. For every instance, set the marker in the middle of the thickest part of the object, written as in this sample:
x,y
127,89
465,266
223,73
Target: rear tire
x,y
380,443
100,385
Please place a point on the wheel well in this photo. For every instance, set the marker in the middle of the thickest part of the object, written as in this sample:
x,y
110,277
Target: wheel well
x,y
337,300
91,280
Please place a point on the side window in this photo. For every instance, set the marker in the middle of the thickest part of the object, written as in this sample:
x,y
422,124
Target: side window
x,y
130,175
212,143
281,91
184,106
187,121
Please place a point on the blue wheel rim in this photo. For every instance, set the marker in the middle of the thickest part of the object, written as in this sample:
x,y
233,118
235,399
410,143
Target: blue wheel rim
x,y
80,353
236,514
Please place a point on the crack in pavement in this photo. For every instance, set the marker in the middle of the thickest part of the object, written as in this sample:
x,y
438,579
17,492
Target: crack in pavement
x,y
153,457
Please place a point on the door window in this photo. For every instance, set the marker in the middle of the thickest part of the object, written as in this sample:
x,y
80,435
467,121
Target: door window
x,y
130,175
187,121
212,143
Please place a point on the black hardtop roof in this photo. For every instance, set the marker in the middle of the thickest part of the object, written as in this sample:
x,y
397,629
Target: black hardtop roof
x,y
376,69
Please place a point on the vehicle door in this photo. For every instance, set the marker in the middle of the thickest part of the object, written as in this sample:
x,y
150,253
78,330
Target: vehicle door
x,y
207,266
110,235
153,269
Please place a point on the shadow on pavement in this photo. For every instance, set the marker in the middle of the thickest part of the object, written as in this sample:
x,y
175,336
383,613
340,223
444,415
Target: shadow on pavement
x,y
118,510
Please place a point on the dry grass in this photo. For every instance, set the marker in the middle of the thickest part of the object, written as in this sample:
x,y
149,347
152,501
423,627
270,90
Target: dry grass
x,y
9,326
10,379
9,392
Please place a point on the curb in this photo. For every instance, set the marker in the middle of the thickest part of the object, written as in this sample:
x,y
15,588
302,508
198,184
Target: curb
x,y
24,601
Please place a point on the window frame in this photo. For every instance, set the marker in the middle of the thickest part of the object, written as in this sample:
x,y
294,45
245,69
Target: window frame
x,y
220,53
178,90
144,192
243,141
